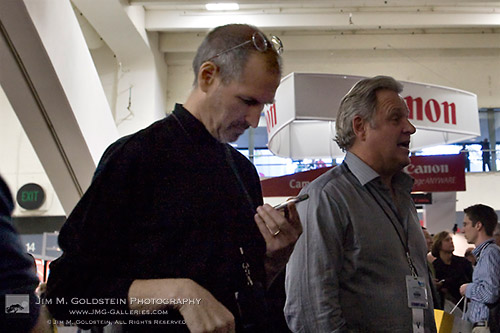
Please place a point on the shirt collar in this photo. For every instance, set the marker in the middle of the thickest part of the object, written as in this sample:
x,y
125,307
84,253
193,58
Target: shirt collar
x,y
477,251
360,169
194,128
366,174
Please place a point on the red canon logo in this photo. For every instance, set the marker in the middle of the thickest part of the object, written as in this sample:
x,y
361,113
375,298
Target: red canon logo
x,y
271,119
432,110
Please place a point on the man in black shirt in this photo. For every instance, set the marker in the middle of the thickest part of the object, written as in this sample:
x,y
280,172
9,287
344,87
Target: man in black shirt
x,y
174,220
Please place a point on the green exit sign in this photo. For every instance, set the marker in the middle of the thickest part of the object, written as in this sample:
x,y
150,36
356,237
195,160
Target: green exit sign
x,y
30,196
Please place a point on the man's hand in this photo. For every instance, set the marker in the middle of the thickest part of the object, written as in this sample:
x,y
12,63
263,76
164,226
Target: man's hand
x,y
463,288
438,283
209,315
280,233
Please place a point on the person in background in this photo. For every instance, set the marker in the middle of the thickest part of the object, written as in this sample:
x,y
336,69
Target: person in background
x,y
430,259
465,152
19,305
469,256
362,246
484,291
485,148
175,213
451,271
496,234
429,241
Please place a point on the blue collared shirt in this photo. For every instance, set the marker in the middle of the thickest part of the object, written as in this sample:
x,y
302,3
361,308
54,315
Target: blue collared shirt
x,y
485,286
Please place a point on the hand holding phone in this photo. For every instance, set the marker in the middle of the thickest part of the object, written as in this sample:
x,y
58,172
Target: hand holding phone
x,y
300,198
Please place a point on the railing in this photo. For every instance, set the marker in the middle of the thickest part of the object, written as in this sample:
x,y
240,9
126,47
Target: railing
x,y
484,160
269,165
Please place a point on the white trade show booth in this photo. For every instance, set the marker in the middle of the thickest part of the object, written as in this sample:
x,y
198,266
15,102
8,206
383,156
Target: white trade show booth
x,y
301,122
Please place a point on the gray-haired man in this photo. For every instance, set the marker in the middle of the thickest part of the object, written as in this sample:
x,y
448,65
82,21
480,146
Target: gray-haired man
x,y
360,265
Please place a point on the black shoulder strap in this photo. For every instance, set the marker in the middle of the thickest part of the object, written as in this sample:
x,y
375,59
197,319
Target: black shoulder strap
x,y
230,161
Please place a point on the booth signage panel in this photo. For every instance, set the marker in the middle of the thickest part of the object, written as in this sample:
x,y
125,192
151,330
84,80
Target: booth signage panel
x,y
440,108
33,243
276,119
439,173
442,115
422,198
290,185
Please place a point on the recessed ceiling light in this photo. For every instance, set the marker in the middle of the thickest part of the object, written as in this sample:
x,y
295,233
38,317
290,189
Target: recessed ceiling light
x,y
222,6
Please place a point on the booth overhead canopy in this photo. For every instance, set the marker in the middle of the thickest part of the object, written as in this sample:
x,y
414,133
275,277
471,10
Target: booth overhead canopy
x,y
301,122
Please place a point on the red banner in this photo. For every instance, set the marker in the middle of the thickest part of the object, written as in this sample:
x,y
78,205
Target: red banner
x,y
438,173
290,185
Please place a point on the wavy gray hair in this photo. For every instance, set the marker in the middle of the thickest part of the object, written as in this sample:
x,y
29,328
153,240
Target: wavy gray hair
x,y
360,101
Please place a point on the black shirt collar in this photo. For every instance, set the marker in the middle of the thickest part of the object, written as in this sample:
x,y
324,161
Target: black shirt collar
x,y
192,127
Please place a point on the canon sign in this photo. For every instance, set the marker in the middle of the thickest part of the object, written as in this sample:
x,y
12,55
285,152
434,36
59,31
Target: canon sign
x,y
271,119
427,169
437,173
431,110
298,184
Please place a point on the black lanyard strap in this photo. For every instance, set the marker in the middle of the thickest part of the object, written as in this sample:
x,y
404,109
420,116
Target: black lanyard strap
x,y
397,227
230,161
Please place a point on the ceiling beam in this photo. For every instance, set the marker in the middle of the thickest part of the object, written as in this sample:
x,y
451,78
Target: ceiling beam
x,y
188,42
323,3
163,20
122,27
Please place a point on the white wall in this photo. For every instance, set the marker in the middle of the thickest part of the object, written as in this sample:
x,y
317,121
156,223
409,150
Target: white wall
x,y
481,187
135,91
477,70
474,70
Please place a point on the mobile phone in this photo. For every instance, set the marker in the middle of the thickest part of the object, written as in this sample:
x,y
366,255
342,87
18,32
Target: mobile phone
x,y
294,200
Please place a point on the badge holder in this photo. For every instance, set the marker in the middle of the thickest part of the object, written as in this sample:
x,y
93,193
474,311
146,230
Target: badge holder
x,y
417,301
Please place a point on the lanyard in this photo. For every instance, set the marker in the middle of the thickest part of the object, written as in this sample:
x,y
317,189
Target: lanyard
x,y
398,228
230,161
229,158
417,313
245,265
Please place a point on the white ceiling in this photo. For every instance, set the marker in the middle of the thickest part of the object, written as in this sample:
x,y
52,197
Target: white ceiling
x,y
178,21
164,15
302,25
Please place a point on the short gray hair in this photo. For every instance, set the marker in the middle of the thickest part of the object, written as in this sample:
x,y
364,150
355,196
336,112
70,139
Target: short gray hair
x,y
231,64
360,101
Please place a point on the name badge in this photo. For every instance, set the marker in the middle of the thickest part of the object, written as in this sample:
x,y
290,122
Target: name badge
x,y
417,292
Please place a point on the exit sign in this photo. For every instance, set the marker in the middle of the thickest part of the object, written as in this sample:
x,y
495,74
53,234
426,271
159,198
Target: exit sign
x,y
30,196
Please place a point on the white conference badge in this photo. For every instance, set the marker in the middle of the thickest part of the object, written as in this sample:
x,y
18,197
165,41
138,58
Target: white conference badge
x,y
417,301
